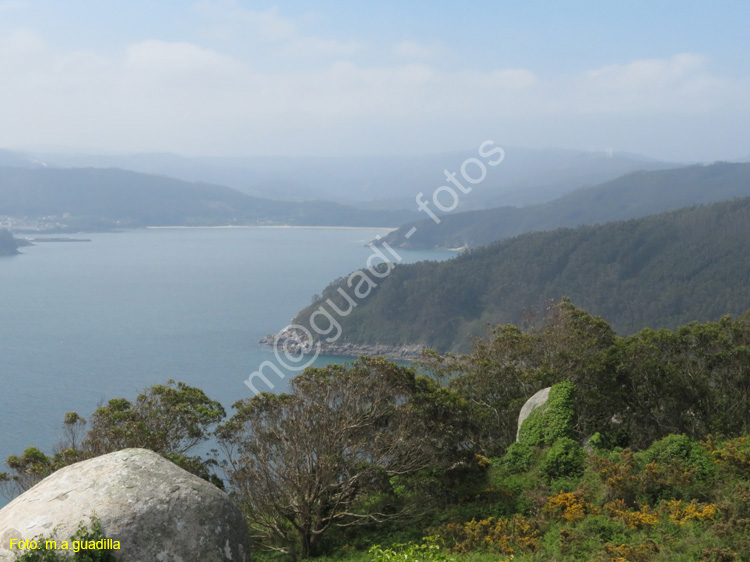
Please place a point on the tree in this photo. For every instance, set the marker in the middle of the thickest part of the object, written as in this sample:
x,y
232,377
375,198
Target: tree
x,y
327,454
496,379
508,367
695,380
169,419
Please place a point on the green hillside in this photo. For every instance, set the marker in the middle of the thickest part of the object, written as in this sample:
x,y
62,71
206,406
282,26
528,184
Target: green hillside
x,y
659,272
105,198
631,196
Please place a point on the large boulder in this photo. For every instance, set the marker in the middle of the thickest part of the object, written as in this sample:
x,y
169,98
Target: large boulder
x,y
156,510
539,399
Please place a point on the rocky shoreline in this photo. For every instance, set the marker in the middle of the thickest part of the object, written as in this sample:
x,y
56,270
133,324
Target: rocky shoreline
x,y
293,344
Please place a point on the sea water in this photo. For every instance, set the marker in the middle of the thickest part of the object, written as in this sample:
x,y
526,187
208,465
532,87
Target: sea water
x,y
81,323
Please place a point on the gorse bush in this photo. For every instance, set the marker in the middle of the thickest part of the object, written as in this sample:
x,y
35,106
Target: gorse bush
x,y
734,453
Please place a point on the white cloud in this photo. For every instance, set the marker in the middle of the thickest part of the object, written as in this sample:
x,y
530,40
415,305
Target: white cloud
x,y
228,20
680,83
416,50
183,97
12,5
163,60
315,47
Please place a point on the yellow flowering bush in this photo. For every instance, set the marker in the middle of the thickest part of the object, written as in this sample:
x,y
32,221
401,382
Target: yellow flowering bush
x,y
569,506
735,453
682,512
644,517
493,534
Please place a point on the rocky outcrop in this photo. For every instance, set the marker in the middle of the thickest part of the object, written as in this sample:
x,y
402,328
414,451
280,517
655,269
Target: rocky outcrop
x,y
8,244
539,399
345,349
156,510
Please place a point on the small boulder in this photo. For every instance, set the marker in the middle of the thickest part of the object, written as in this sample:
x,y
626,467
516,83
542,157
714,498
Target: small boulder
x,y
156,510
539,399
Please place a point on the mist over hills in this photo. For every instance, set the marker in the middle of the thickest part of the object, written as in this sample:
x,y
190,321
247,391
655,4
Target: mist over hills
x,y
634,195
527,176
659,272
18,160
92,198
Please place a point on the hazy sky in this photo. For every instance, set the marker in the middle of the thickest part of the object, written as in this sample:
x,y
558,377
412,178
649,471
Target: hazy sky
x,y
669,79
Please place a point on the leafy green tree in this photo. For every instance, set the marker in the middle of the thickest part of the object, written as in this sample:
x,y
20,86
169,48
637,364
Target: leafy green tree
x,y
505,369
169,419
695,380
329,454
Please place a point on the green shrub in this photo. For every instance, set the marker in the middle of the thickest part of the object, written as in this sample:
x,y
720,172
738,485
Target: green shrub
x,y
681,452
430,550
519,457
597,442
565,458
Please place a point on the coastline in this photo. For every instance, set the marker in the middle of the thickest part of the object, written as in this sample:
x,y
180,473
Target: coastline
x,y
346,349
384,228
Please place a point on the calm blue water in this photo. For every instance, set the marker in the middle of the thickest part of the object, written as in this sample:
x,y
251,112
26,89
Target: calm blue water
x,y
86,322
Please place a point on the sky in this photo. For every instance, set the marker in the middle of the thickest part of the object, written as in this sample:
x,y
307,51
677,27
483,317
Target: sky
x,y
666,79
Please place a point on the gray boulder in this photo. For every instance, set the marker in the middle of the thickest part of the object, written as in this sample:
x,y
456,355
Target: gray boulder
x,y
539,399
156,510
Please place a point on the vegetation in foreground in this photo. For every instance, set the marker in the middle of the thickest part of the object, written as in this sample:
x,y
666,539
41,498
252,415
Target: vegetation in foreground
x,y
642,452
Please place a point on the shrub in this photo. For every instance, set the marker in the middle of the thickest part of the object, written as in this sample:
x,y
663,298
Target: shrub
x,y
565,458
500,535
681,512
682,452
518,458
619,473
644,517
718,555
569,506
677,468
642,552
734,453
430,550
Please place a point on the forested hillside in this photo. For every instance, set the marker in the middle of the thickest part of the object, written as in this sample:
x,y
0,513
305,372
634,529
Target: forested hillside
x,y
659,272
631,196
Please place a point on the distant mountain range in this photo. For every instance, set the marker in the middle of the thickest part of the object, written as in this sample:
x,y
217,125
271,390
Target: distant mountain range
x,y
634,195
527,176
91,198
659,272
